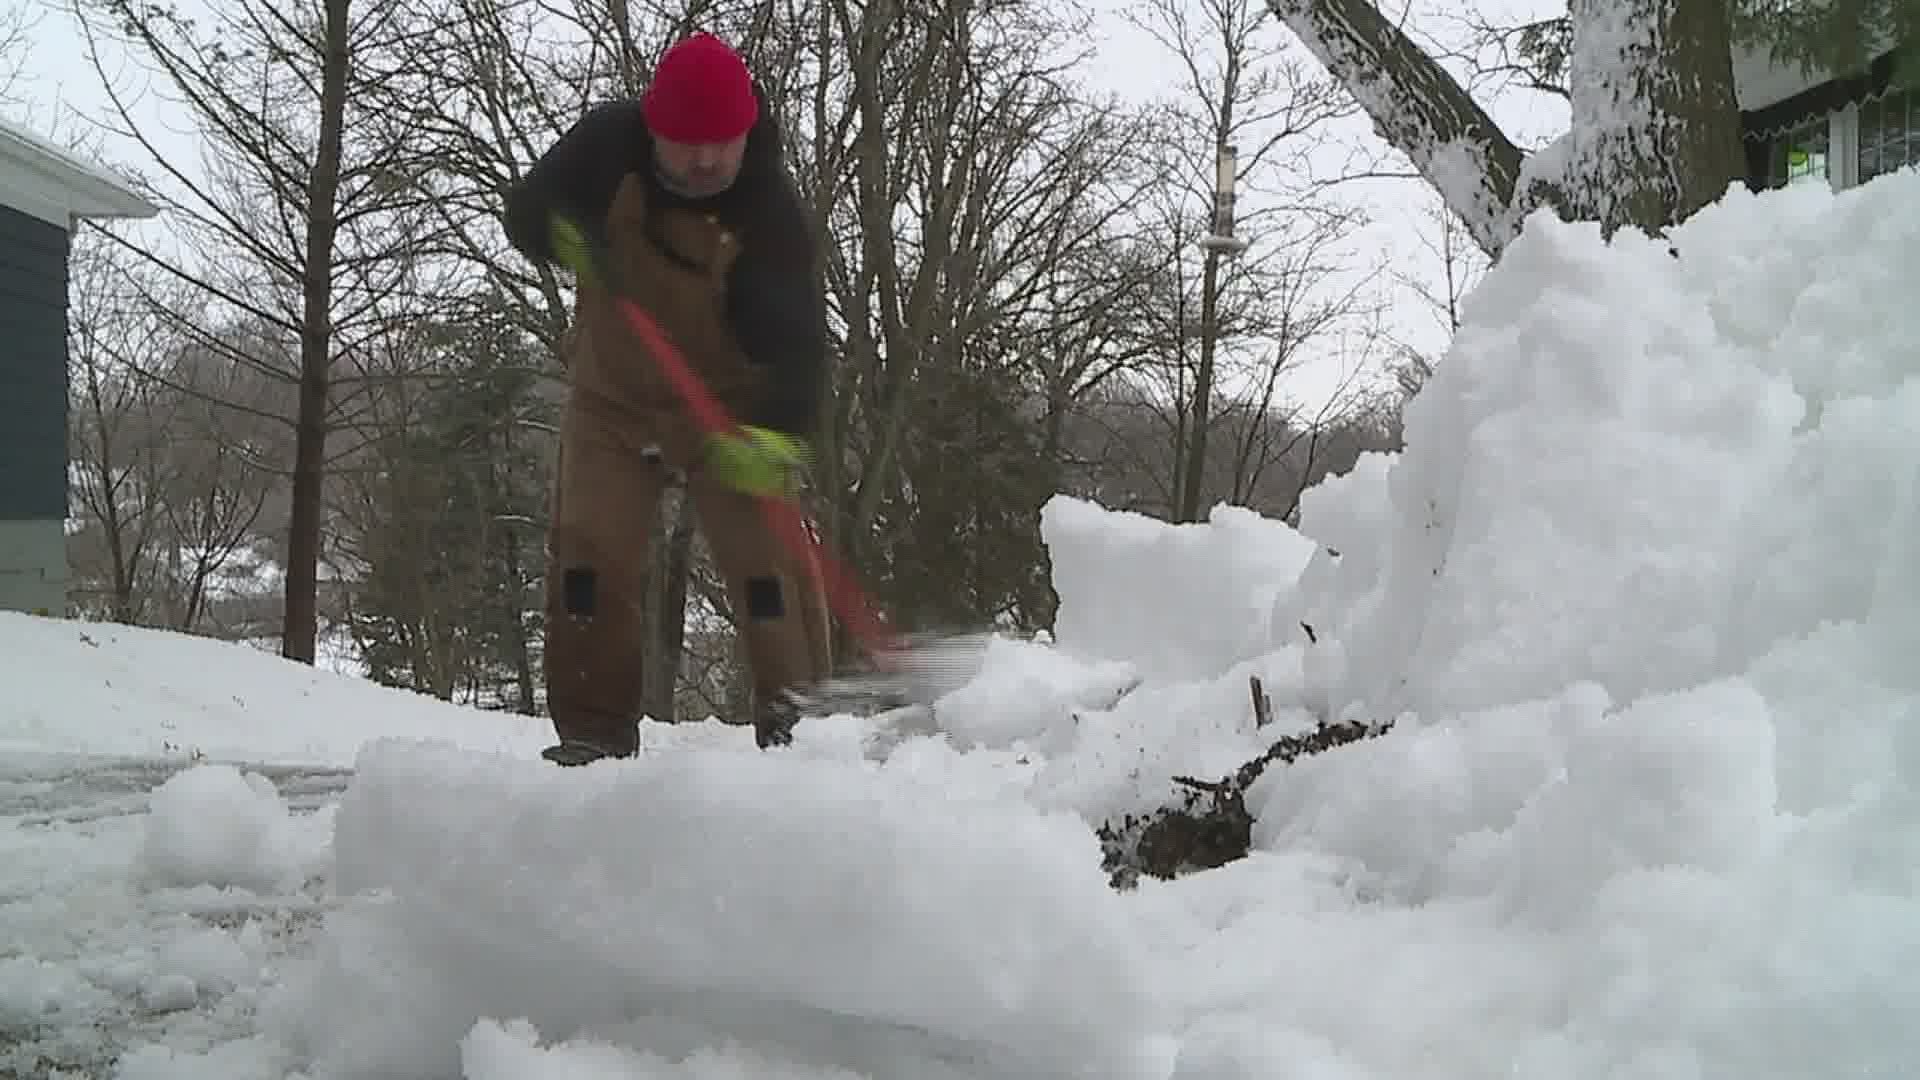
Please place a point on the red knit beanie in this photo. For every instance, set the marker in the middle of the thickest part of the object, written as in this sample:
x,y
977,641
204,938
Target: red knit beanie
x,y
701,93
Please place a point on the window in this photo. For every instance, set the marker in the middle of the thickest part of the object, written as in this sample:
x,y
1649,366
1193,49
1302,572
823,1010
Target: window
x,y
1799,154
1889,134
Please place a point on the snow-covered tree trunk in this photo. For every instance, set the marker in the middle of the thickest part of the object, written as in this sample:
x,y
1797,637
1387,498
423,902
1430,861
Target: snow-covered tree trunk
x,y
1655,132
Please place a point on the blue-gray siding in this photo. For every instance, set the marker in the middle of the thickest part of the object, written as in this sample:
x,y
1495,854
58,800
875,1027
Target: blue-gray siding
x,y
33,367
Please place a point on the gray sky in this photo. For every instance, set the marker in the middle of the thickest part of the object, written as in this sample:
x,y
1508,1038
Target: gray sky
x,y
58,79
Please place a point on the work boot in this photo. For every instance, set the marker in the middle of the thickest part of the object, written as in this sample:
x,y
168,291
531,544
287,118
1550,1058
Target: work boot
x,y
774,720
572,752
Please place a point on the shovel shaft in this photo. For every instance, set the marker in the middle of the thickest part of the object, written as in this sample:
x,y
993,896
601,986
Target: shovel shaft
x,y
783,517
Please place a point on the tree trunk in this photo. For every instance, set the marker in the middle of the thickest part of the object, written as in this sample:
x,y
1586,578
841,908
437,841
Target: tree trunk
x,y
1656,132
626,53
111,523
1182,413
906,323
1196,457
517,640
674,564
830,488
309,458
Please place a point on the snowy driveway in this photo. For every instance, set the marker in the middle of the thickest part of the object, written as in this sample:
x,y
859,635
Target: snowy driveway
x,y
115,935
65,790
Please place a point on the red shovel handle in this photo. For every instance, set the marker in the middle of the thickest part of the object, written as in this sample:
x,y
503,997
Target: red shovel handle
x,y
844,595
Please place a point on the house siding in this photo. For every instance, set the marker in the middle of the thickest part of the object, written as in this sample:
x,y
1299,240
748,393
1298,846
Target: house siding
x,y
33,368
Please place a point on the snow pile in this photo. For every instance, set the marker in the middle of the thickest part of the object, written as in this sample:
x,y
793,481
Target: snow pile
x,y
1643,594
1636,469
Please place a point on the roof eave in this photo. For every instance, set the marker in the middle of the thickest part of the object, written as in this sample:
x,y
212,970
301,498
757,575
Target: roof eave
x,y
90,191
112,204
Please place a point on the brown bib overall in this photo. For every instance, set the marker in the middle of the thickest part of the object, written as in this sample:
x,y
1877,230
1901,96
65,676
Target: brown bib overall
x,y
624,429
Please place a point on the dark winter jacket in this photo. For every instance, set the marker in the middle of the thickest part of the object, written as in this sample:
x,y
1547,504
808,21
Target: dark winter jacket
x,y
768,300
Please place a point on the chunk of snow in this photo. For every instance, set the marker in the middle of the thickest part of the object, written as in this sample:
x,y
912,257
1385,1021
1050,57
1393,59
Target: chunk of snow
x,y
778,892
214,825
168,993
1026,693
1178,602
240,1059
496,1051
212,959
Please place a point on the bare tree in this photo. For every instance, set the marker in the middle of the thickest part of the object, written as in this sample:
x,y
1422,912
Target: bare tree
x,y
1287,447
484,88
491,88
1237,87
1221,330
18,21
1459,266
173,446
117,438
217,487
297,221
966,191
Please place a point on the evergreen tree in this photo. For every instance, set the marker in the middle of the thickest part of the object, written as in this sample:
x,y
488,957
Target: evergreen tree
x,y
1834,36
449,604
961,535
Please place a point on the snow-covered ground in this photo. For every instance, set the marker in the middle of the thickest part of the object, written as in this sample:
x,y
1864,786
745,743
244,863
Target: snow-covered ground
x,y
1642,596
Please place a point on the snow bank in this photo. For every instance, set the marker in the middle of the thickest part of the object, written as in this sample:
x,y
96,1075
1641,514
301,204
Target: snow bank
x,y
1648,500
103,688
1643,593
789,902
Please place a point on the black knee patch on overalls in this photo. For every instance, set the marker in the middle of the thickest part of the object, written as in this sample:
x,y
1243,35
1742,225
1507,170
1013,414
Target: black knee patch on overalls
x,y
765,599
579,590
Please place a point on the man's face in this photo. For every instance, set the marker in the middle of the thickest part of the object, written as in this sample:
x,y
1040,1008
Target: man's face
x,y
698,170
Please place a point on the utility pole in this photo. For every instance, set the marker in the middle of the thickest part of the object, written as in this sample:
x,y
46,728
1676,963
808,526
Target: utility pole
x,y
1220,243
